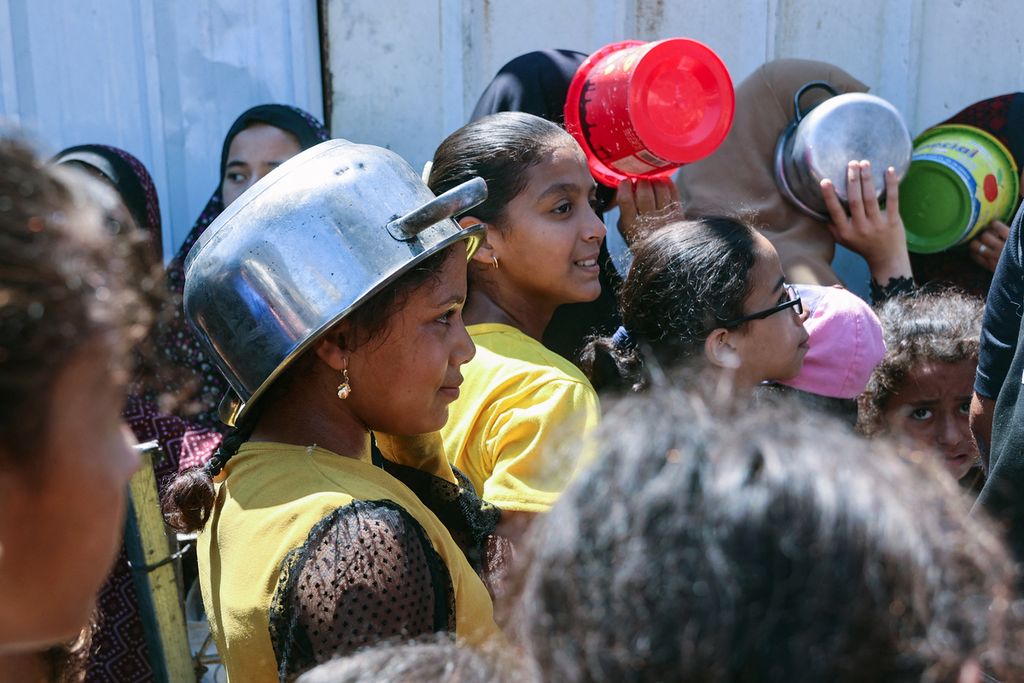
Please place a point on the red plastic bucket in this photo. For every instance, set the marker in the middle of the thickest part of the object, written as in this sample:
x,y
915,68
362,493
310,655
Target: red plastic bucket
x,y
642,110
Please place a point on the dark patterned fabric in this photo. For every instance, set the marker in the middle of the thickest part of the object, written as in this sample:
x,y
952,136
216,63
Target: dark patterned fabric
x,y
470,519
1003,118
131,180
896,286
118,651
177,339
366,573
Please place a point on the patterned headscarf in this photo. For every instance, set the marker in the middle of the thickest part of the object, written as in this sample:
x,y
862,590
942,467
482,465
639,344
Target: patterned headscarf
x,y
1003,117
131,180
178,340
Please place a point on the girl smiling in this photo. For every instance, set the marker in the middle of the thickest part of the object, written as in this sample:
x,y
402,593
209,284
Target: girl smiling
x,y
541,251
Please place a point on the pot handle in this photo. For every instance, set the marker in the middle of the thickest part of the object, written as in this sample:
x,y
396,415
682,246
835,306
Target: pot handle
x,y
820,85
451,203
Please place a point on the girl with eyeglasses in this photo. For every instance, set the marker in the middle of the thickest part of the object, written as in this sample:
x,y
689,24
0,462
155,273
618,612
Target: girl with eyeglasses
x,y
707,293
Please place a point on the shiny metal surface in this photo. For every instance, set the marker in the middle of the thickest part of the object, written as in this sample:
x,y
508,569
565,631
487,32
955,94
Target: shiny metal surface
x,y
305,246
820,144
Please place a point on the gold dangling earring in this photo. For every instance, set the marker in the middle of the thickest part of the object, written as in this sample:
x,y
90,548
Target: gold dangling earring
x,y
344,389
494,260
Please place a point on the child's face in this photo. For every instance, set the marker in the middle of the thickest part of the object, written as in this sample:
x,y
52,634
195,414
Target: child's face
x,y
403,381
549,250
770,348
932,407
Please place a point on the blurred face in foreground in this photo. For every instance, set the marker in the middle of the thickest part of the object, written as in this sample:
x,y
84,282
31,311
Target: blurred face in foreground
x,y
62,515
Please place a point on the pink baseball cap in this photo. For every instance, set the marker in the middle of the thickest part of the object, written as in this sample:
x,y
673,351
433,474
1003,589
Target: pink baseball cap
x,y
845,343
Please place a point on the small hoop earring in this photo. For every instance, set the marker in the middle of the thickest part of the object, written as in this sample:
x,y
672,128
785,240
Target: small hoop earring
x,y
494,260
344,389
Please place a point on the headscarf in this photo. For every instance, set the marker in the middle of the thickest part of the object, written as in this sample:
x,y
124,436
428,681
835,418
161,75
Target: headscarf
x,y
537,83
179,341
1003,118
129,178
739,176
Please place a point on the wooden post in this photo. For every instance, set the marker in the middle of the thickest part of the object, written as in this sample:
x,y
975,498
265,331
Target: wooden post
x,y
156,584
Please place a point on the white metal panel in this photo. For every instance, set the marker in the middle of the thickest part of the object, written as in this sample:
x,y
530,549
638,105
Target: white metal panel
x,y
162,80
969,50
399,81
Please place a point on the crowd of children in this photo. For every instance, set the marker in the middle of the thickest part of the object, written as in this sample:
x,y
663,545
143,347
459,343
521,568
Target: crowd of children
x,y
466,448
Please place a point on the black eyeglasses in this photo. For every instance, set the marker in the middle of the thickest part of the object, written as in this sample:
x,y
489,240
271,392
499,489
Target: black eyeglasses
x,y
792,301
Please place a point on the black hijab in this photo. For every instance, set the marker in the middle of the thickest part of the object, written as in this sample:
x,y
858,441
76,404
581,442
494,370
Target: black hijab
x,y
535,83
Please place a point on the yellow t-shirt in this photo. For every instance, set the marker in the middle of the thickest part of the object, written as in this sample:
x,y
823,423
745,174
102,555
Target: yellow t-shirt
x,y
272,497
518,429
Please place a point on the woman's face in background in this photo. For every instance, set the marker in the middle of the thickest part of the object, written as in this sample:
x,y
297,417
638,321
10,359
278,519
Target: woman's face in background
x,y
253,153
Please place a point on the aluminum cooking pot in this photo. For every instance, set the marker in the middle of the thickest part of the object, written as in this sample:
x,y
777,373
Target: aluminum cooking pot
x,y
820,143
302,248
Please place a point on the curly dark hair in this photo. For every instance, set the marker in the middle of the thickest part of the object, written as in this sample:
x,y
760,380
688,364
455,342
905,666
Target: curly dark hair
x,y
752,546
942,326
687,277
431,659
69,273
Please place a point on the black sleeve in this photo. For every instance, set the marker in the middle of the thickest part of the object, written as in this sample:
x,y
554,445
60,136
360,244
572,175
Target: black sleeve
x,y
366,573
1001,324
896,286
469,519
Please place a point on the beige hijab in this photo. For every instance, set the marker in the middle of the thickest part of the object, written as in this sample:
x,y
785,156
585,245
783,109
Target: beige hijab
x,y
738,177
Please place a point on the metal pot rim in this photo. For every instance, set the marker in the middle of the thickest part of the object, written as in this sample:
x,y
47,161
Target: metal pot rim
x,y
232,408
782,181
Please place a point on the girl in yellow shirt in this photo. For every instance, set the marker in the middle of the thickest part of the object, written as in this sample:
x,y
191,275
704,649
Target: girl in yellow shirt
x,y
309,546
517,429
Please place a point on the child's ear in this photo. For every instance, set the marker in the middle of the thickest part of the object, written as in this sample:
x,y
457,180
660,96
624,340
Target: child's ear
x,y
720,350
333,348
485,252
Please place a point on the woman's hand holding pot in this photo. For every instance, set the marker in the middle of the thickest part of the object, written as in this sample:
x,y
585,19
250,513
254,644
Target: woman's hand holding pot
x,y
871,231
987,247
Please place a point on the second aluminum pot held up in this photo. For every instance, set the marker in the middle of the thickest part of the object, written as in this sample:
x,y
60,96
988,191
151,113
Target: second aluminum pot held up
x,y
302,248
820,143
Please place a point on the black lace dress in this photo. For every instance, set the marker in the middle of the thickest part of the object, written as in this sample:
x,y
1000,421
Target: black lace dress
x,y
368,573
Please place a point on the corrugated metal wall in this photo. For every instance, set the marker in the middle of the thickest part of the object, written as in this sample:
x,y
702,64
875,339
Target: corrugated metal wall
x,y
162,79
405,74
165,78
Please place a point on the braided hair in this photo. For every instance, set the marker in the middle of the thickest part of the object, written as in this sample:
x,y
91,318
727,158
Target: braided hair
x,y
189,499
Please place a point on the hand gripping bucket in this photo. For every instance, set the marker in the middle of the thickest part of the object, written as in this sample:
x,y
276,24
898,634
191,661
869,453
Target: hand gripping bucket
x,y
641,110
960,179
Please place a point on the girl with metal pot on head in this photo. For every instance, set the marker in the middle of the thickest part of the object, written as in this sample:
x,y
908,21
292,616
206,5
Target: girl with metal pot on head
x,y
540,251
331,318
